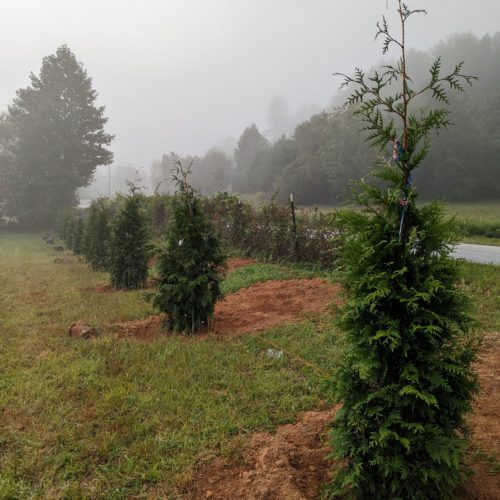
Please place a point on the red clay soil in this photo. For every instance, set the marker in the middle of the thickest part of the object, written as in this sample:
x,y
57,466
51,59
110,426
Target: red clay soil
x,y
252,309
272,303
292,464
237,262
485,424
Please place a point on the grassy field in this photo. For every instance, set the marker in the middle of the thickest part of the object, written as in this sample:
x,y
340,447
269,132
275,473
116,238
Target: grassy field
x,y
476,222
113,418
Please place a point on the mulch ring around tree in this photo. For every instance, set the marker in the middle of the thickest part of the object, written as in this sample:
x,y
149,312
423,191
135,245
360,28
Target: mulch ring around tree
x,y
258,307
293,463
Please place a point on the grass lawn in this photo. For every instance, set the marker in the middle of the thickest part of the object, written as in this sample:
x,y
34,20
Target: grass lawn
x,y
113,418
477,222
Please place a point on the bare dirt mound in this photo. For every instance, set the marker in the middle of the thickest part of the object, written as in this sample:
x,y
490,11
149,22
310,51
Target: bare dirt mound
x,y
486,420
290,464
234,263
272,303
485,424
252,309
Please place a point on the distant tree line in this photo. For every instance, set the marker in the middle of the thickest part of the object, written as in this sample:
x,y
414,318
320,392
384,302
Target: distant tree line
x,y
319,161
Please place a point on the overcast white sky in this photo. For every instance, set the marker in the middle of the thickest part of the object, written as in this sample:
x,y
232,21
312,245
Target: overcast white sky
x,y
182,75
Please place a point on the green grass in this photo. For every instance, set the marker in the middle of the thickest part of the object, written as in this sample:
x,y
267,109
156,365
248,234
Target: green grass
x,y
477,222
243,277
482,283
114,418
110,418
484,211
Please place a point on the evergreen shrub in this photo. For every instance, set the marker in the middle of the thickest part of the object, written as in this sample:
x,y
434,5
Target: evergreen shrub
x,y
130,246
404,376
191,263
98,235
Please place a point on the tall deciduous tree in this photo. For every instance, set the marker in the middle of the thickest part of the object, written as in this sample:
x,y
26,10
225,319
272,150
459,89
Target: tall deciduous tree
x,y
404,376
59,139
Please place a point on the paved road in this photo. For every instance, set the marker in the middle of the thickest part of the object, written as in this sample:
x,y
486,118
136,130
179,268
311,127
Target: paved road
x,y
485,254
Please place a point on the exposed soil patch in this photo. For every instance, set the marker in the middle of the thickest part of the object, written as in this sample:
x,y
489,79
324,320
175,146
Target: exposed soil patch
x,y
272,303
252,309
148,328
290,464
485,423
104,288
237,262
82,330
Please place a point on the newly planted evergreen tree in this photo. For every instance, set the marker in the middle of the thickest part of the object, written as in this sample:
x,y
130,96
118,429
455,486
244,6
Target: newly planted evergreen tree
x,y
78,235
97,235
404,377
130,245
191,263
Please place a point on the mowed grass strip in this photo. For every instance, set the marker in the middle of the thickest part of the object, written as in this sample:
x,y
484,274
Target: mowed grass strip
x,y
114,418
482,284
477,222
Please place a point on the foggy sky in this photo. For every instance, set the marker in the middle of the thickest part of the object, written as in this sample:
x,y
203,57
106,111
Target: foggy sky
x,y
182,75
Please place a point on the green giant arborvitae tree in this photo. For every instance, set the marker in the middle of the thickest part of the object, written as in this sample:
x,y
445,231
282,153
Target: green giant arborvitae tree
x,y
404,376
130,243
98,235
191,263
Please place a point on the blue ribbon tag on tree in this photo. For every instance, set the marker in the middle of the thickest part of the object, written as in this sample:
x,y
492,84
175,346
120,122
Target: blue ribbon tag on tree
x,y
397,151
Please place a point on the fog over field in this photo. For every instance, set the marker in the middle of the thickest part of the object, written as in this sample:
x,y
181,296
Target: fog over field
x,y
184,75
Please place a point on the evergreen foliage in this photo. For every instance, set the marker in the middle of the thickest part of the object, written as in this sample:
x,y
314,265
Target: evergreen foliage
x,y
130,243
97,235
77,237
63,226
56,139
404,376
250,144
190,266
